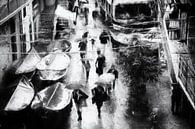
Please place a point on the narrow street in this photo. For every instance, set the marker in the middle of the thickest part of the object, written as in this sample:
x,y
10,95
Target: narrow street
x,y
115,113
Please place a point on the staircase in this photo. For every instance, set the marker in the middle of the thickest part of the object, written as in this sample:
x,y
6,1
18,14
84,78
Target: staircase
x,y
46,26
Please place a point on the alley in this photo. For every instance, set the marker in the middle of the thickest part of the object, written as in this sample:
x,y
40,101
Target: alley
x,y
116,112
113,112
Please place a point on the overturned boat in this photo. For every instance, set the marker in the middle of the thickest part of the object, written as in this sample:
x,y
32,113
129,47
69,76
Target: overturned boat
x,y
29,62
51,107
55,97
15,100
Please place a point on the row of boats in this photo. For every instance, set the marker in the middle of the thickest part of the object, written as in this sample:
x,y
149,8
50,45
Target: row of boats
x,y
36,85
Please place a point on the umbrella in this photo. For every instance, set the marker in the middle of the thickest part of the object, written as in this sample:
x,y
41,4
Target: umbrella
x,y
105,79
21,97
29,62
55,97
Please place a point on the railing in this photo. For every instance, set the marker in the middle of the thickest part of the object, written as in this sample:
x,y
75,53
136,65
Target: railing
x,y
10,6
176,29
187,75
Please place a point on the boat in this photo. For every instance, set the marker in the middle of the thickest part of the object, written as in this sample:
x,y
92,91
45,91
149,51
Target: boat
x,y
53,66
29,62
14,103
54,98
51,107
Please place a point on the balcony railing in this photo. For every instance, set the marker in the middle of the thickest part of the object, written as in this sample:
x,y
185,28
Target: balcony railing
x,y
187,75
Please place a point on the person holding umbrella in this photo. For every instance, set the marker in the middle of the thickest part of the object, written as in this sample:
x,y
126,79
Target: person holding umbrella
x,y
99,96
79,98
115,72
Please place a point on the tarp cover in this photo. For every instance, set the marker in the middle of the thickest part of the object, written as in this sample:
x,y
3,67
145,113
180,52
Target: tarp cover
x,y
29,62
54,61
21,97
75,77
105,79
55,97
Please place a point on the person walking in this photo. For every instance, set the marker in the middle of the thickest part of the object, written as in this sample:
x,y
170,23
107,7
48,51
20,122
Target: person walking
x,y
83,46
99,96
92,43
94,16
79,98
104,37
175,98
100,63
86,12
115,72
87,67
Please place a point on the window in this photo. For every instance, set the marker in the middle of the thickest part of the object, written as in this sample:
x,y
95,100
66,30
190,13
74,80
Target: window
x,y
127,11
24,12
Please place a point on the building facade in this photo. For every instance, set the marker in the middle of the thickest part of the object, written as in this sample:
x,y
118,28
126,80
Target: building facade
x,y
179,36
19,28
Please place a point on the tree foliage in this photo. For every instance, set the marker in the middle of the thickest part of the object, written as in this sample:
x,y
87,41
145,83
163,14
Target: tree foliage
x,y
140,63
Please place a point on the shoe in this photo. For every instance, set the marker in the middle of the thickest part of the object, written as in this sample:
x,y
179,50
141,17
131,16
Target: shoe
x,y
99,115
79,119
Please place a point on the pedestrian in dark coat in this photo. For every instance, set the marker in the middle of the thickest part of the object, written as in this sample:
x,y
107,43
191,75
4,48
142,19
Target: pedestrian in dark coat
x,y
115,72
79,98
104,37
175,98
86,12
99,96
83,48
100,63
92,43
87,67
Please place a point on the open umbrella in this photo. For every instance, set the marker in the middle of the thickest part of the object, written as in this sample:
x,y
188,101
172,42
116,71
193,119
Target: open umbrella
x,y
105,79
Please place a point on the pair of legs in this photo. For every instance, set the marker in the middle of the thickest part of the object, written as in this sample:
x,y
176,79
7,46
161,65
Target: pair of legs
x,y
99,105
87,74
79,111
99,71
175,105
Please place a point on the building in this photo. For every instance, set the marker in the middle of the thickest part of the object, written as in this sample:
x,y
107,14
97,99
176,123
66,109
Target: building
x,y
19,28
178,25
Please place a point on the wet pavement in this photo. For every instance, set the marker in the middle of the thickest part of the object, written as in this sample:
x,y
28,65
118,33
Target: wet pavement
x,y
115,113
